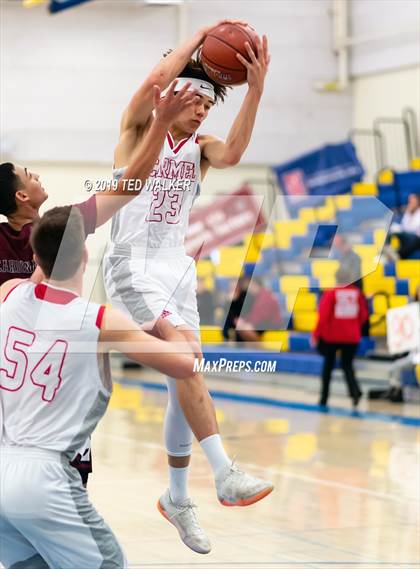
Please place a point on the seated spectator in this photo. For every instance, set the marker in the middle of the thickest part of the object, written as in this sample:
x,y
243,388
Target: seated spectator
x,y
235,307
408,231
205,303
342,312
263,315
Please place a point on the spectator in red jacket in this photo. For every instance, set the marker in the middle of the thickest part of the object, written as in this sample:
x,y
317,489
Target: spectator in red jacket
x,y
263,315
342,312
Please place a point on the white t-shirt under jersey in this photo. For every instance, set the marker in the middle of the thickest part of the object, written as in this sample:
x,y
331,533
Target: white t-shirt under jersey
x,y
52,393
158,216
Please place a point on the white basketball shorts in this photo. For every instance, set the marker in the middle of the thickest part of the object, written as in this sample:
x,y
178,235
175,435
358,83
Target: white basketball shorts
x,y
46,518
146,286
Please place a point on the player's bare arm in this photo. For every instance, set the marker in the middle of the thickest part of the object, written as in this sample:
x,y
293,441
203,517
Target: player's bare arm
x,y
222,154
137,116
167,110
8,286
120,333
140,107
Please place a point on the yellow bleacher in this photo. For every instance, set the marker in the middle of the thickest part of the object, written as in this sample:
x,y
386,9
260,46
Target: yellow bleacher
x,y
364,189
386,177
303,301
284,230
253,242
324,268
407,269
305,321
374,285
308,214
377,325
292,283
413,285
327,282
415,163
276,340
372,269
211,334
231,261
379,237
381,303
343,201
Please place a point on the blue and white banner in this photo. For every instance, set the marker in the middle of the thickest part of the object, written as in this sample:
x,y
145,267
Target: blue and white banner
x,y
329,170
58,5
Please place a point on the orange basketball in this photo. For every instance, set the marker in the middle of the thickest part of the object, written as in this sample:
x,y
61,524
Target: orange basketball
x,y
218,54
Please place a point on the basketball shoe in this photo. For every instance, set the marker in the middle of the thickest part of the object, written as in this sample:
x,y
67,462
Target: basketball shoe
x,y
236,488
184,518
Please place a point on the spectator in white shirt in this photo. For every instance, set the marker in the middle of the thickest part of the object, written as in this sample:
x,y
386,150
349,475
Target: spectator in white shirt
x,y
408,231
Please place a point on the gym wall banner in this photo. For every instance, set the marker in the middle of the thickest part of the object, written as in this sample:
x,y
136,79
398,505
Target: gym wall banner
x,y
224,222
58,5
331,169
54,5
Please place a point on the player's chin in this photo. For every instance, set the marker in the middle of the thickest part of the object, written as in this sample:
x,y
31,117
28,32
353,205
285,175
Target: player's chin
x,y
43,197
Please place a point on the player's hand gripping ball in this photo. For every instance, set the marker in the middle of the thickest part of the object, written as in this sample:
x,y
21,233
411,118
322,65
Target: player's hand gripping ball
x,y
218,53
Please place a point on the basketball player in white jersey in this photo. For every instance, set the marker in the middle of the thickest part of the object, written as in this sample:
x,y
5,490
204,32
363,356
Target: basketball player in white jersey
x,y
55,386
147,270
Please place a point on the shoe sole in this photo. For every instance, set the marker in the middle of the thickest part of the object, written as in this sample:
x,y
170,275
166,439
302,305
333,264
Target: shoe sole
x,y
165,515
248,501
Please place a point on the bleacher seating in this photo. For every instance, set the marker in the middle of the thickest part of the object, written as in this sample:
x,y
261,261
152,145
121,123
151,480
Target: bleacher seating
x,y
387,285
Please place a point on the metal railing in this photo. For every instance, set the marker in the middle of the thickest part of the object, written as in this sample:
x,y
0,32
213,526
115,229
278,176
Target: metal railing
x,y
370,146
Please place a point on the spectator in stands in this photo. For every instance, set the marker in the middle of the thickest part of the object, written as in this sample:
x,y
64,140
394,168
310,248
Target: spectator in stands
x,y
349,260
205,302
408,231
234,307
342,312
263,315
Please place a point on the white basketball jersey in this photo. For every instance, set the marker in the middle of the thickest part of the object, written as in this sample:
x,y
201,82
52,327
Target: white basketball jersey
x,y
54,387
158,216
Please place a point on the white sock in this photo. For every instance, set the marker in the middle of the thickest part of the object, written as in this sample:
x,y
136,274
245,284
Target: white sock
x,y
178,484
216,454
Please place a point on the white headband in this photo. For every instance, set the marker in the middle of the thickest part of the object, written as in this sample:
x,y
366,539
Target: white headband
x,y
203,87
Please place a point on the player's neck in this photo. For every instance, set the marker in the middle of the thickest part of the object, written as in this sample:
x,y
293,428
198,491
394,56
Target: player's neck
x,y
22,217
75,284
178,134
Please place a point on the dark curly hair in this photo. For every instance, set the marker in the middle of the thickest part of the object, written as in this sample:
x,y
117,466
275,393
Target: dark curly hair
x,y
195,70
9,185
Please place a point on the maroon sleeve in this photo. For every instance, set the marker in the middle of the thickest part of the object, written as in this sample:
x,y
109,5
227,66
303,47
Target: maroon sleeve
x,y
88,211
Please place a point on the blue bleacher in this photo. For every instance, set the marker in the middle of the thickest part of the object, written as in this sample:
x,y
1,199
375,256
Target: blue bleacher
x,y
387,195
406,183
389,270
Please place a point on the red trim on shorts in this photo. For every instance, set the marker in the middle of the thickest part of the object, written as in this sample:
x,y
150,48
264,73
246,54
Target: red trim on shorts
x,y
56,296
100,316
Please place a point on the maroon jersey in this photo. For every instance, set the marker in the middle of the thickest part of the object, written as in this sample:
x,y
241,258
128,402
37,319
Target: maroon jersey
x,y
16,255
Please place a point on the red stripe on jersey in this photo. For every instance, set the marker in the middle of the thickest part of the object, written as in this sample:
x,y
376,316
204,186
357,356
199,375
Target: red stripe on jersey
x,y
177,148
100,316
54,295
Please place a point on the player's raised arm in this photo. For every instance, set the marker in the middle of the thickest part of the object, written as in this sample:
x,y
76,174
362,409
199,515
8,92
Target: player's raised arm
x,y
167,109
139,110
175,358
222,154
